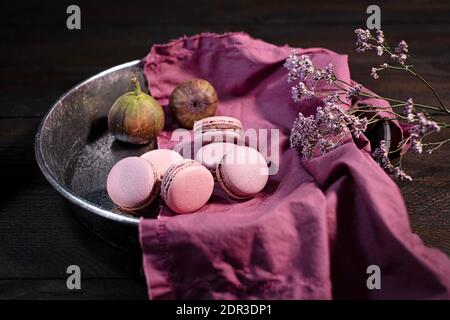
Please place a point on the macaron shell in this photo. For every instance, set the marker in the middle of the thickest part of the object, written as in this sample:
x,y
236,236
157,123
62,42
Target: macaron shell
x,y
211,154
187,187
162,159
243,172
132,183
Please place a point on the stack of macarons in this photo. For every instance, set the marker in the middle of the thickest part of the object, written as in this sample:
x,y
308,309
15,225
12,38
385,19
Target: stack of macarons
x,y
186,185
241,171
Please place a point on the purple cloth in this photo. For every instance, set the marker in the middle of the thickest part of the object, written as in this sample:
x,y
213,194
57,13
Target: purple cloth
x,y
317,225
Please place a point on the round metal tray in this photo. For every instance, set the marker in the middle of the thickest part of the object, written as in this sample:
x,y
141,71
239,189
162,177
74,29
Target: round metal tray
x,y
75,152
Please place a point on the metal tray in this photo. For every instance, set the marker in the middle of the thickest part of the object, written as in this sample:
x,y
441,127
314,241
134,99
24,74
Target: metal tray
x,y
75,152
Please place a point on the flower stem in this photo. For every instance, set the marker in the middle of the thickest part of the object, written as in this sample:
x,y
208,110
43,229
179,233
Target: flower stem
x,y
396,68
438,145
369,95
378,110
414,71
401,145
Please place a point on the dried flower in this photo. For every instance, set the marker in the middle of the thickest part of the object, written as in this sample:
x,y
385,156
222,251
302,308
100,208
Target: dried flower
x,y
363,37
308,76
400,58
300,91
303,133
380,37
358,126
381,156
422,128
380,50
401,175
331,119
365,42
409,110
325,146
353,91
402,47
374,73
331,99
416,143
322,132
329,73
400,52
299,68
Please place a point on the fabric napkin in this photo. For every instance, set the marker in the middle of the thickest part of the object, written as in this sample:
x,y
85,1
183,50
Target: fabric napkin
x,y
316,227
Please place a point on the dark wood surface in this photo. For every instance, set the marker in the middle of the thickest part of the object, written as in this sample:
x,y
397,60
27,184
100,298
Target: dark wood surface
x,y
40,59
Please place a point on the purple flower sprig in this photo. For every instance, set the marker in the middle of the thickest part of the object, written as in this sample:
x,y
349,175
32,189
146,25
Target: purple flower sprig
x,y
423,127
381,155
320,133
366,41
307,75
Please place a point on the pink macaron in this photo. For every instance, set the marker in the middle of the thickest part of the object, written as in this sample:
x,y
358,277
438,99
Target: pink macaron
x,y
187,186
132,183
211,154
162,159
242,172
218,129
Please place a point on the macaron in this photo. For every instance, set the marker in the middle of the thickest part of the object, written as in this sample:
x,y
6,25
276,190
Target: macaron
x,y
211,154
242,172
218,129
187,186
132,183
162,159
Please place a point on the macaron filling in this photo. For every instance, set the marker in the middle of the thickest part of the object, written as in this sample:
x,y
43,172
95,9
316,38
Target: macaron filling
x,y
168,178
170,174
219,127
154,192
218,123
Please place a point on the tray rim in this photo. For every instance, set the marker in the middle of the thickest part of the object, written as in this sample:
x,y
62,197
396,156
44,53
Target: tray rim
x,y
65,192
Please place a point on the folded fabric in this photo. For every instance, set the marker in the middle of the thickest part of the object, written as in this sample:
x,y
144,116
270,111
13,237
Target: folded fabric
x,y
318,224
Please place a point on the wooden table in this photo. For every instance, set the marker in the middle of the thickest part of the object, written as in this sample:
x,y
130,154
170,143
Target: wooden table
x,y
41,59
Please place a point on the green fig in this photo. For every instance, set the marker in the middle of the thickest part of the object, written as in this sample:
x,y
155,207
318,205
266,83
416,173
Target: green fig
x,y
136,117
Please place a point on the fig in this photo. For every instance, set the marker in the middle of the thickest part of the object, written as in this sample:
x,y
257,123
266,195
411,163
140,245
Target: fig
x,y
193,100
136,117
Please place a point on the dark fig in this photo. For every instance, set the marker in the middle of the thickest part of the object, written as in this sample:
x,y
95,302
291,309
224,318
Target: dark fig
x,y
193,100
